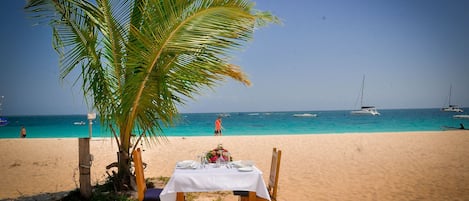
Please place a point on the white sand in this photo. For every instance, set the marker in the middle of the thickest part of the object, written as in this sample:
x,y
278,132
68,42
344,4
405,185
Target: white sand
x,y
378,166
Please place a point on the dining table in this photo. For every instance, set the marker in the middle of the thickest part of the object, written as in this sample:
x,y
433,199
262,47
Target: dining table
x,y
214,177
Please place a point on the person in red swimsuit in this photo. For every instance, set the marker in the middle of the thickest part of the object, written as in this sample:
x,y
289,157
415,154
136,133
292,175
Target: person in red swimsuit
x,y
218,126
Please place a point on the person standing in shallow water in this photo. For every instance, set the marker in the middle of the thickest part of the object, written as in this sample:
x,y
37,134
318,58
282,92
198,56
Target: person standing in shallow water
x,y
218,126
23,132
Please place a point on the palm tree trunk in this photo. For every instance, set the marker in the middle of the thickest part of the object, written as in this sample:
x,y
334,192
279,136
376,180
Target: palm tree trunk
x,y
124,173
124,170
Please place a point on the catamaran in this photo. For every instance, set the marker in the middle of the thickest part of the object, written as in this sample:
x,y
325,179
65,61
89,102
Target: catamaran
x,y
451,108
365,110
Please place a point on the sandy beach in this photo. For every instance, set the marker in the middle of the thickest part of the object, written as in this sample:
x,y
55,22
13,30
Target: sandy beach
x,y
377,166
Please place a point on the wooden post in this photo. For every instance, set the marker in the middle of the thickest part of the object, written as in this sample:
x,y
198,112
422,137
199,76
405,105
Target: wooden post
x,y
84,166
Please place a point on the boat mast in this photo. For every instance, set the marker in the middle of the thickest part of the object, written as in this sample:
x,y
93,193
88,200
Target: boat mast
x,y
1,101
363,86
449,97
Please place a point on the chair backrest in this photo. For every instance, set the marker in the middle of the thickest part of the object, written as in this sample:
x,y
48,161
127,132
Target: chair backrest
x,y
139,176
274,172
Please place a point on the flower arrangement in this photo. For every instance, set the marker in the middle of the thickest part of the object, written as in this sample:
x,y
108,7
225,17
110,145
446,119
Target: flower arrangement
x,y
213,155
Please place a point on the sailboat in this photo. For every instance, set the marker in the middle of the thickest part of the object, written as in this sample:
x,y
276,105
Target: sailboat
x,y
365,110
3,121
451,108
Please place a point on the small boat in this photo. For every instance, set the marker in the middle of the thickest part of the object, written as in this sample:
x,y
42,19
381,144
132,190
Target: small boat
x,y
461,116
365,110
79,123
224,115
3,121
253,114
305,115
451,108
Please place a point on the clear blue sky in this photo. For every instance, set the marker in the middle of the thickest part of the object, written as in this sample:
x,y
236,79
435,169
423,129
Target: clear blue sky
x,y
409,50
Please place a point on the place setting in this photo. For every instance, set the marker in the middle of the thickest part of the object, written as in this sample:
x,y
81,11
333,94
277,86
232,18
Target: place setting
x,y
218,157
243,165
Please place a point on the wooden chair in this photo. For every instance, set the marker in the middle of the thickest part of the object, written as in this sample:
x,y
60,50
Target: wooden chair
x,y
273,178
144,194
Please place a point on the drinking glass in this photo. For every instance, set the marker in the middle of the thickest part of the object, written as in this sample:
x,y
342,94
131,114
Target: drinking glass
x,y
203,159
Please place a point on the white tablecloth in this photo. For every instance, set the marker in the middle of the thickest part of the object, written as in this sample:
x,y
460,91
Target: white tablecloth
x,y
214,179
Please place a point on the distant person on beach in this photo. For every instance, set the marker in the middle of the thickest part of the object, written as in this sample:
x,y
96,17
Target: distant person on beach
x,y
462,126
218,126
23,132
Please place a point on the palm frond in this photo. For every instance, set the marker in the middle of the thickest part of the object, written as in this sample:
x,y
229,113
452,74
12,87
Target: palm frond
x,y
140,59
198,34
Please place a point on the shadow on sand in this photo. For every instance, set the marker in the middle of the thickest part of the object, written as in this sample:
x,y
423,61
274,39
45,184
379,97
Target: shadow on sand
x,y
41,197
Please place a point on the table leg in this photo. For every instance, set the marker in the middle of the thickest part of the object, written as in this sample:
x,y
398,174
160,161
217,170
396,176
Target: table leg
x,y
180,196
252,196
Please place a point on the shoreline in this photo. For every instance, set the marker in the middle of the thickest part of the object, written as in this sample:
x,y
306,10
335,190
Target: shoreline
x,y
427,165
254,135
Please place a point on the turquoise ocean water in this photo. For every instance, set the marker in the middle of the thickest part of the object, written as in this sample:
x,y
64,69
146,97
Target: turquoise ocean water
x,y
251,123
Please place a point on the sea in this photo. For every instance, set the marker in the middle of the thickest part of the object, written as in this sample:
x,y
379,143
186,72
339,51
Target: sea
x,y
249,123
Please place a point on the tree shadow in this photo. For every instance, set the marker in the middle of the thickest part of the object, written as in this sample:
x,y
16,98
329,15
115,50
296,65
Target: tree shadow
x,y
41,197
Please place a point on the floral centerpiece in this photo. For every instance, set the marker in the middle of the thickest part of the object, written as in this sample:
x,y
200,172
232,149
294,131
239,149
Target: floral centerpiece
x,y
213,155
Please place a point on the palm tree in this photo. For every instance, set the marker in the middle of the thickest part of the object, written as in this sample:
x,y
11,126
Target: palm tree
x,y
139,59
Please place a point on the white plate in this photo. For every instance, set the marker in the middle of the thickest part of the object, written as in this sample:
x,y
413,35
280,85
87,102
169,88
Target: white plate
x,y
245,169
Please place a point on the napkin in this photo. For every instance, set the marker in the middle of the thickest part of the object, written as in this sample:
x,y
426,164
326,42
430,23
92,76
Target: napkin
x,y
186,164
243,164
